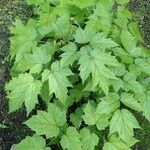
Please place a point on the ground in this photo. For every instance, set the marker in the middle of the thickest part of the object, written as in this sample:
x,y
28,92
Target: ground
x,y
10,9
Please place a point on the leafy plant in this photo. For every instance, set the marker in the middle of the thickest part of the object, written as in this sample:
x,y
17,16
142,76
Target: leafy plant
x,y
85,61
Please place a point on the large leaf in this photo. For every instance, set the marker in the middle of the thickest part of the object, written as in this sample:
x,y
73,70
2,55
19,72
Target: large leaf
x,y
47,123
23,89
31,143
96,64
121,124
58,81
71,140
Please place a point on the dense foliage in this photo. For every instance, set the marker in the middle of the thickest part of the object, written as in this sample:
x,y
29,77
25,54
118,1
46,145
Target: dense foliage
x,y
85,61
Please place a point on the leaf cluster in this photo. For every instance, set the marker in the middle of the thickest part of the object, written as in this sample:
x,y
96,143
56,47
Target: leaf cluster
x,y
84,59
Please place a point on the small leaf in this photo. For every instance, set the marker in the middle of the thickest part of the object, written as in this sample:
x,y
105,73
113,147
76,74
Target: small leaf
x,y
71,140
62,27
47,123
122,2
133,26
115,144
89,140
99,41
130,101
29,143
144,64
132,84
129,42
34,62
117,84
2,126
108,104
82,3
146,106
101,19
69,55
76,117
93,117
45,92
84,36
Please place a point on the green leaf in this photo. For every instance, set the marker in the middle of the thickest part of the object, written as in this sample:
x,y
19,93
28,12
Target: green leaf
x,y
71,140
119,70
62,27
121,124
123,55
23,89
131,141
69,55
58,81
45,92
93,117
34,62
89,140
101,19
30,143
100,41
146,106
82,3
127,39
130,101
86,57
129,42
76,117
35,2
108,104
133,26
118,84
47,123
115,144
95,64
24,39
123,17
135,69
83,36
144,64
122,2
107,3
2,126
132,84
